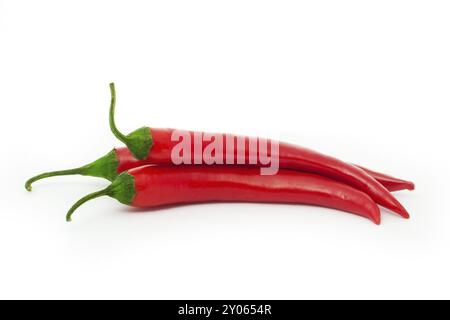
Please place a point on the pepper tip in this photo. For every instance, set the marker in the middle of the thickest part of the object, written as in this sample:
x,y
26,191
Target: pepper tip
x,y
404,214
377,220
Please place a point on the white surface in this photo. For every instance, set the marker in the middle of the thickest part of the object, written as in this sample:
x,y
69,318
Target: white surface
x,y
366,81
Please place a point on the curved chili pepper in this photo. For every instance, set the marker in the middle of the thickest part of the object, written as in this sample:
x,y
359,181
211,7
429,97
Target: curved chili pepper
x,y
153,186
121,159
159,142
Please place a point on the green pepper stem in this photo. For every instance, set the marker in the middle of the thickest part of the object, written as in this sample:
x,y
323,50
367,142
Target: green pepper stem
x,y
105,167
92,196
139,142
112,111
28,184
122,189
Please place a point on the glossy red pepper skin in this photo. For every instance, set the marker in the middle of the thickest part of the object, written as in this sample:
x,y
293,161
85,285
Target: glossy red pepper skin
x,y
290,157
121,159
127,161
161,186
154,146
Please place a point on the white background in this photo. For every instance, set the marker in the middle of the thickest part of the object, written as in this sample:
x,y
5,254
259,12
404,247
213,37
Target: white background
x,y
365,81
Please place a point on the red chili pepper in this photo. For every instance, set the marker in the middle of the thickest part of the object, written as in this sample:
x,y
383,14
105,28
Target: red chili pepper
x,y
159,142
153,186
121,159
